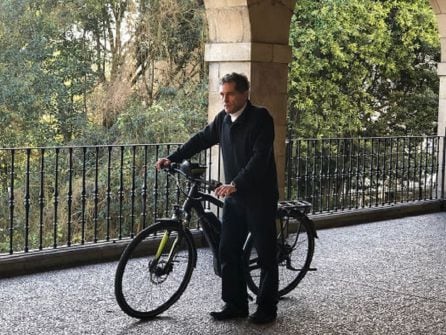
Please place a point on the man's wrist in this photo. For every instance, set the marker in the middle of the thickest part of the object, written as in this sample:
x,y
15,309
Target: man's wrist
x,y
233,185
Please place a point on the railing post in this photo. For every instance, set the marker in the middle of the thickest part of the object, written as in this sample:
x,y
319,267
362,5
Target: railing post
x,y
83,194
11,202
27,203
121,192
41,197
56,198
443,167
288,166
69,196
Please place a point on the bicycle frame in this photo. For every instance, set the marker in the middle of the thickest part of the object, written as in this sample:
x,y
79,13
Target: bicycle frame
x,y
194,201
208,220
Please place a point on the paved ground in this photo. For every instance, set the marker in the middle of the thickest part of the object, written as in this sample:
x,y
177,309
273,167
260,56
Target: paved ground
x,y
381,278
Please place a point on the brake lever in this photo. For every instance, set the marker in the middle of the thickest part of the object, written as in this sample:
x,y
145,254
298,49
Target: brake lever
x,y
213,184
172,169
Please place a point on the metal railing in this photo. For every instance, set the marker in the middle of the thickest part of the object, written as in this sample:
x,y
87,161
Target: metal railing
x,y
63,196
338,174
72,196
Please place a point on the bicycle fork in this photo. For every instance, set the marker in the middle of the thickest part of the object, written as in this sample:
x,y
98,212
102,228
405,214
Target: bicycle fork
x,y
164,268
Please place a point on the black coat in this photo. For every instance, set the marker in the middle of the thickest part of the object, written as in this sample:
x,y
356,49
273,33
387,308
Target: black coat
x,y
247,149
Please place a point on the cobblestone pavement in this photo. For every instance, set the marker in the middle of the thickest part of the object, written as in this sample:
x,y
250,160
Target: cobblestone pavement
x,y
386,277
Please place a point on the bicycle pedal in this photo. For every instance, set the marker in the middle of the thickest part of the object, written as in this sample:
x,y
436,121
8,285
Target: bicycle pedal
x,y
312,269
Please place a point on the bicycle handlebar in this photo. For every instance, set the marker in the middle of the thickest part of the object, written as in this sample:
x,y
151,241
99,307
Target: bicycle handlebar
x,y
191,170
188,169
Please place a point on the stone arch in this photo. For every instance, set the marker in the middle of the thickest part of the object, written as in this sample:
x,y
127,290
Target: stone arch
x,y
251,37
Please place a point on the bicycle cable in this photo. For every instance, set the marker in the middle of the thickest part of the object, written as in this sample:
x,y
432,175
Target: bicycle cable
x,y
177,179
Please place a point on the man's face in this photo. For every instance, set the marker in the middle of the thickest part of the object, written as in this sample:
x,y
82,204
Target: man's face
x,y
231,98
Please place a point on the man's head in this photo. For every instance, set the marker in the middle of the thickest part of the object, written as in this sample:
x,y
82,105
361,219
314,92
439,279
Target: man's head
x,y
234,91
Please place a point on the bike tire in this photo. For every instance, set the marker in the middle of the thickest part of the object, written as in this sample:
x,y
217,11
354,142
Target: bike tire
x,y
294,258
142,292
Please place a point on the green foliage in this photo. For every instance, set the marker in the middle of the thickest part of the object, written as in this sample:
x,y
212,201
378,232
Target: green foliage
x,y
363,68
69,73
44,71
70,69
171,119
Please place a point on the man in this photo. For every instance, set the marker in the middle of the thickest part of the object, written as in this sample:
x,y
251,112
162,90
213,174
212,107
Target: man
x,y
246,134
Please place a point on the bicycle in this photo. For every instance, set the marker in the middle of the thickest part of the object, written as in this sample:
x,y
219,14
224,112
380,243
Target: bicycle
x,y
156,266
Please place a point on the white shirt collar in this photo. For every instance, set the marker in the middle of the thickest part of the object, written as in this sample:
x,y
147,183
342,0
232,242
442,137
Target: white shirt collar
x,y
235,115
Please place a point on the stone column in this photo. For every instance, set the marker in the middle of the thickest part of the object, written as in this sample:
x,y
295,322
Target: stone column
x,y
251,37
441,70
439,7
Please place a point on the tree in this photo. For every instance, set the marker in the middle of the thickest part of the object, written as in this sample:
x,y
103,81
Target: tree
x,y
44,73
359,67
408,99
70,69
170,45
154,47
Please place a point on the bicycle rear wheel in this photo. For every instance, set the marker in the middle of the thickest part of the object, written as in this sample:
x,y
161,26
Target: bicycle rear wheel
x,y
154,270
294,252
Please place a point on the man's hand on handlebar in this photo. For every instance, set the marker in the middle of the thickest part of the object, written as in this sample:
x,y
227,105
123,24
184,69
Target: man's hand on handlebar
x,y
225,190
162,163
221,190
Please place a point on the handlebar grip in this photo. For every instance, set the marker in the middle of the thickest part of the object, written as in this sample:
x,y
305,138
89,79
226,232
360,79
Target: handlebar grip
x,y
173,166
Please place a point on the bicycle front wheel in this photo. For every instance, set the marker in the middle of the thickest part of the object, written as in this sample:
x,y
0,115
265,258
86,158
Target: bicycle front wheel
x,y
154,270
294,254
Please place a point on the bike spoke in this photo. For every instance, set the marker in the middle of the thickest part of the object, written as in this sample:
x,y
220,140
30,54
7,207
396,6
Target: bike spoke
x,y
156,272
295,249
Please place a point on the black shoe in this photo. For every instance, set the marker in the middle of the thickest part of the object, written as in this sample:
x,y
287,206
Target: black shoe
x,y
261,316
230,312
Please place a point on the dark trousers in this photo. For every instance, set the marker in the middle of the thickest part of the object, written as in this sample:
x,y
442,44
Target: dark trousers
x,y
258,217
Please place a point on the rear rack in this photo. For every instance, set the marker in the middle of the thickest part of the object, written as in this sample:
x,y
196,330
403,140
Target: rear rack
x,y
289,208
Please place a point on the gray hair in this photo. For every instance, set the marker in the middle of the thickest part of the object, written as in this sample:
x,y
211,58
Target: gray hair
x,y
241,81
